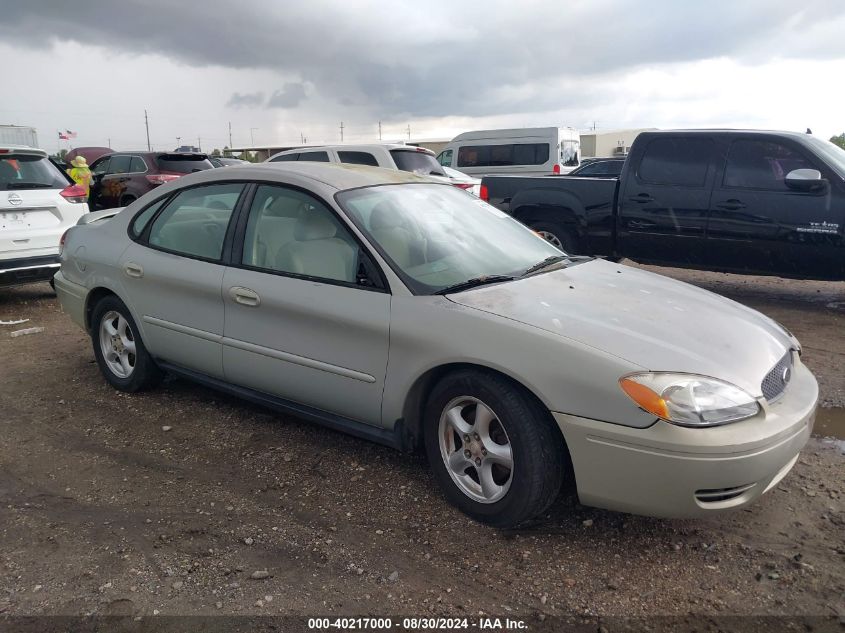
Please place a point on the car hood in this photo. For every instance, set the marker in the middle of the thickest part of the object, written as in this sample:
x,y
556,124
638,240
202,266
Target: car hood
x,y
647,319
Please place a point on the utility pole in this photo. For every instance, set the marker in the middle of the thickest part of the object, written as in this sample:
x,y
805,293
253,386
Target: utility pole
x,y
341,131
178,142
230,135
109,143
379,130
251,136
409,131
199,143
147,123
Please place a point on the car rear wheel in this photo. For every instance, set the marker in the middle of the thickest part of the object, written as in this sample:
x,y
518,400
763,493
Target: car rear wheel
x,y
493,448
557,235
118,348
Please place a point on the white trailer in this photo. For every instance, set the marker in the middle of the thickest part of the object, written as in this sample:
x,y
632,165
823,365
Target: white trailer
x,y
18,135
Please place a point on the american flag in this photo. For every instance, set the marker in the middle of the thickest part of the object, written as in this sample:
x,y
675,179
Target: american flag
x,y
63,136
70,134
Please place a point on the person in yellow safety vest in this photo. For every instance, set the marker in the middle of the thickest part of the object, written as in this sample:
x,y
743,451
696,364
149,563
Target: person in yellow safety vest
x,y
80,174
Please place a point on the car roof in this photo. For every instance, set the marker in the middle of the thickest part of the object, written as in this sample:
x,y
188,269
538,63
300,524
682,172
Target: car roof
x,y
725,131
339,176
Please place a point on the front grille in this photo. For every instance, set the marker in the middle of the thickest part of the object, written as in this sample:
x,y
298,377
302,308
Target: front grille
x,y
775,382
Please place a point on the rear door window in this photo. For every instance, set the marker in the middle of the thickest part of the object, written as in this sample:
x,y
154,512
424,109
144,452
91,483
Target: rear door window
x,y
101,166
315,157
761,165
119,164
676,161
23,171
183,164
284,158
421,163
137,165
357,158
196,220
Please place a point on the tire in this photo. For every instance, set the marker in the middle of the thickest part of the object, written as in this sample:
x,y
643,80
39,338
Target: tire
x,y
557,234
132,371
520,428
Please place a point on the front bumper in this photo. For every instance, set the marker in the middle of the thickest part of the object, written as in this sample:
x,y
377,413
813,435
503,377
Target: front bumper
x,y
27,270
676,472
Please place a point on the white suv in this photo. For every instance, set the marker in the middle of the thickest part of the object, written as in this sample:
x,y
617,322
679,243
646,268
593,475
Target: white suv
x,y
38,203
417,160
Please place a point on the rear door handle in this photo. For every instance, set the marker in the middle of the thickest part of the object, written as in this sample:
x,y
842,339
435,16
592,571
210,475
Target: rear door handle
x,y
134,270
731,205
642,197
245,296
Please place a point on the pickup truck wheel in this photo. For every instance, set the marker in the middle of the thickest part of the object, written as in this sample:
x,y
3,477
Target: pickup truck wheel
x,y
119,350
493,449
556,234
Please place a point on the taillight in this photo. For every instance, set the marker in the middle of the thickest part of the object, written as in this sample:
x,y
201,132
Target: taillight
x,y
74,193
463,185
160,179
62,241
484,194
556,168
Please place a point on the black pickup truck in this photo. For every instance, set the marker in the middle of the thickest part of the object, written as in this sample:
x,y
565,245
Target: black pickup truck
x,y
754,202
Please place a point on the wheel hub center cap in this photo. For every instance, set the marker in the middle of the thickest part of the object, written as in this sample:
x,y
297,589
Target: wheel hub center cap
x,y
475,449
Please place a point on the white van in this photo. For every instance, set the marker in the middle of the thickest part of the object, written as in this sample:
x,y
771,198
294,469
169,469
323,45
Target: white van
x,y
531,151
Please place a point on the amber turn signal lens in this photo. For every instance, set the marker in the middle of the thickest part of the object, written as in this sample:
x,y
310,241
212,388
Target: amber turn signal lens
x,y
645,397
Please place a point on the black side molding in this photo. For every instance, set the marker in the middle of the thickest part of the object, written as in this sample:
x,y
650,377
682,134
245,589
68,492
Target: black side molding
x,y
392,438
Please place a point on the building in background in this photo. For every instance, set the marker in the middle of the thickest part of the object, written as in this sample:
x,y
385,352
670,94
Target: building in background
x,y
18,135
608,142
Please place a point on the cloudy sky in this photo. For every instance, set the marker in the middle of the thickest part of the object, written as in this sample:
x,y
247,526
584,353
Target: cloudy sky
x,y
278,70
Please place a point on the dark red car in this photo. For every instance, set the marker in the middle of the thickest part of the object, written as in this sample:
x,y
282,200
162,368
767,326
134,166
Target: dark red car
x,y
122,177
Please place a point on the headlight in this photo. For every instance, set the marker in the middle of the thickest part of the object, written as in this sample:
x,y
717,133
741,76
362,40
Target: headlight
x,y
689,400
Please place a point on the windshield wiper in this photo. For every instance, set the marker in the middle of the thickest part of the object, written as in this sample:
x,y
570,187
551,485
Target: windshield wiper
x,y
28,185
475,282
554,259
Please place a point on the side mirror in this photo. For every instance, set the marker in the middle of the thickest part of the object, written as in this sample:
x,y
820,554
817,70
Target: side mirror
x,y
805,180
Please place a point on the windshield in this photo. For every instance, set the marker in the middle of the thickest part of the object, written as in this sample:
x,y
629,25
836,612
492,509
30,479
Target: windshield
x,y
833,155
437,236
21,171
421,163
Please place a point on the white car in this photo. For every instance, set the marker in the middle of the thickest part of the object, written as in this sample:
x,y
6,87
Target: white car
x,y
38,203
416,160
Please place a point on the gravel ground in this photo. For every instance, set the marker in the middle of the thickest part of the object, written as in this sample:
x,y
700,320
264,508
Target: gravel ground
x,y
184,501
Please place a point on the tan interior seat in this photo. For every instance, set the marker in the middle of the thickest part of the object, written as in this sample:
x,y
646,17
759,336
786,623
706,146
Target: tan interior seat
x,y
273,230
316,250
388,230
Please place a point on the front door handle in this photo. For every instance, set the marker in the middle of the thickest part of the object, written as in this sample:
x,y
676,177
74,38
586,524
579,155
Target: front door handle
x,y
134,270
245,296
642,197
731,205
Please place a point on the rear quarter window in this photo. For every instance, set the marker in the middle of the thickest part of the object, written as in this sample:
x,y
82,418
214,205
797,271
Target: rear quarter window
x,y
676,161
357,158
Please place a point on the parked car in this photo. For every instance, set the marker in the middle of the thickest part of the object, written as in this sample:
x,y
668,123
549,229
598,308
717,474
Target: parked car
x,y
123,177
599,168
38,203
404,311
756,202
226,161
462,181
418,160
527,151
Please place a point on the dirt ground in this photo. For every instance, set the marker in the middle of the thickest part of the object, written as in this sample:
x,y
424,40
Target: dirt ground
x,y
170,501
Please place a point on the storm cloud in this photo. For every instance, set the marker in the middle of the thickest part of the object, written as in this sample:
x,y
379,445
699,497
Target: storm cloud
x,y
248,100
436,58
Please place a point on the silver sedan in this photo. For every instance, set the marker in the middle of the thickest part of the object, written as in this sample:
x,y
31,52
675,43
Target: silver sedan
x,y
416,315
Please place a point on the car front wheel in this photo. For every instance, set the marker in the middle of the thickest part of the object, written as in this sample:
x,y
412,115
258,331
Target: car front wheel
x,y
120,352
493,448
